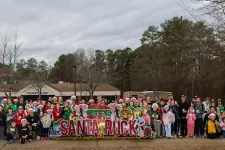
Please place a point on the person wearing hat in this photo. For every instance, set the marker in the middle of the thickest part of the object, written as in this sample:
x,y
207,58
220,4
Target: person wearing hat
x,y
10,104
212,110
91,104
24,132
212,127
183,109
18,117
4,102
33,122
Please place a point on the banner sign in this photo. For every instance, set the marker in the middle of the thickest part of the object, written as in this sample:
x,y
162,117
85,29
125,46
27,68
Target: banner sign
x,y
111,120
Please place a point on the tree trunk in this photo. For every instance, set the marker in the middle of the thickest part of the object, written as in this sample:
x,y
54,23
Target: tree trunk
x,y
40,94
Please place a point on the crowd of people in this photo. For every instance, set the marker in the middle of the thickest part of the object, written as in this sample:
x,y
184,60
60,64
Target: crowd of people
x,y
167,117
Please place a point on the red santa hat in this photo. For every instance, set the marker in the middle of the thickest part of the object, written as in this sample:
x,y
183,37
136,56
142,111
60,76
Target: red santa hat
x,y
22,120
4,99
15,100
121,100
73,97
35,102
91,100
30,109
40,105
49,110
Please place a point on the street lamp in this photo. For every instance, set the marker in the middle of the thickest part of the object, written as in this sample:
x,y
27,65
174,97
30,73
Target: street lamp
x,y
74,78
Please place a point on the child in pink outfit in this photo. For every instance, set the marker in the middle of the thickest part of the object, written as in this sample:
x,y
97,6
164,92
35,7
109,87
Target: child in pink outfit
x,y
146,117
222,125
168,118
191,117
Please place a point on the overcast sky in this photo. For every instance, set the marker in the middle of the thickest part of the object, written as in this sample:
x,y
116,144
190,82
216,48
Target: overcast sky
x,y
49,28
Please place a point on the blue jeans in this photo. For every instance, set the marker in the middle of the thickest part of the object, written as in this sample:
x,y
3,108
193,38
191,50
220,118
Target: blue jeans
x,y
223,133
168,130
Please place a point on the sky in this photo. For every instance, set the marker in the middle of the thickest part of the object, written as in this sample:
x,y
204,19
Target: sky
x,y
49,28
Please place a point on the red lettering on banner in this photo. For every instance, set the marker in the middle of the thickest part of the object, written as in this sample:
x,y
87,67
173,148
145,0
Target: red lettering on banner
x,y
81,127
63,127
95,127
124,132
71,128
108,127
132,130
118,127
89,126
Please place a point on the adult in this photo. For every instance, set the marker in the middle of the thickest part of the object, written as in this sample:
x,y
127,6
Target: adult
x,y
199,124
183,109
150,101
18,117
212,110
206,104
21,102
175,110
127,101
10,104
4,102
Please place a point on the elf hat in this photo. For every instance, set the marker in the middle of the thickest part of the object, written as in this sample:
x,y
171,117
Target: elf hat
x,y
91,100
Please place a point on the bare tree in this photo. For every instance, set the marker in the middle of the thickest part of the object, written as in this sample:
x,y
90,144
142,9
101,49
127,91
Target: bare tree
x,y
89,72
9,54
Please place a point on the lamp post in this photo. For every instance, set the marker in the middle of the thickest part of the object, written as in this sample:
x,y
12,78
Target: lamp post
x,y
74,79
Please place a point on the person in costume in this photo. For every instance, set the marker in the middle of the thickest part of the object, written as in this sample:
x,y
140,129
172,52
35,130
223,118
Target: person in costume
x,y
101,127
137,110
10,104
67,111
125,113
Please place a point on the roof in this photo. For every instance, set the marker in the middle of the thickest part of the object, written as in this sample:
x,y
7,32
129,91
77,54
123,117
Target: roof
x,y
11,87
70,87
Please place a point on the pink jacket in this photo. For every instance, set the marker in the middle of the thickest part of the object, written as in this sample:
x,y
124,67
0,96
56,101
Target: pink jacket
x,y
222,124
167,117
147,119
191,117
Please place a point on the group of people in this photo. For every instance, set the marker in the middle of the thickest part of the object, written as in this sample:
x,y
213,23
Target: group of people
x,y
167,118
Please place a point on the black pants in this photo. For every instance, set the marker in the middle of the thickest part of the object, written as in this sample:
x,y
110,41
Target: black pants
x,y
45,132
199,127
9,137
183,127
212,135
22,140
174,127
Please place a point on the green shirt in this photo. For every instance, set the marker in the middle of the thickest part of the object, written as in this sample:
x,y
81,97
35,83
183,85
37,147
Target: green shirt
x,y
13,106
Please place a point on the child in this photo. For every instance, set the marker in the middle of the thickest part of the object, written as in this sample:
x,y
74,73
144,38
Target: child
x,y
46,122
18,117
168,118
146,117
191,117
2,122
24,132
212,127
11,133
222,125
9,117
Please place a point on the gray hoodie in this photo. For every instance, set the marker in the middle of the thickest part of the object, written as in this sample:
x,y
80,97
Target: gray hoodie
x,y
46,121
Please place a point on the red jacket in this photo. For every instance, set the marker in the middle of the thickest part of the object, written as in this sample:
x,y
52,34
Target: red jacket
x,y
56,114
16,118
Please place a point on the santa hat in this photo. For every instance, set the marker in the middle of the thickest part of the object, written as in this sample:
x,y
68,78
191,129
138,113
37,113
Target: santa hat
x,y
4,99
133,99
22,120
15,100
30,109
155,105
73,96
121,100
40,105
212,115
91,100
127,98
48,109
35,102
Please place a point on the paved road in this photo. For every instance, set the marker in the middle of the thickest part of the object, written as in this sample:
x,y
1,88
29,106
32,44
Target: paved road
x,y
169,144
